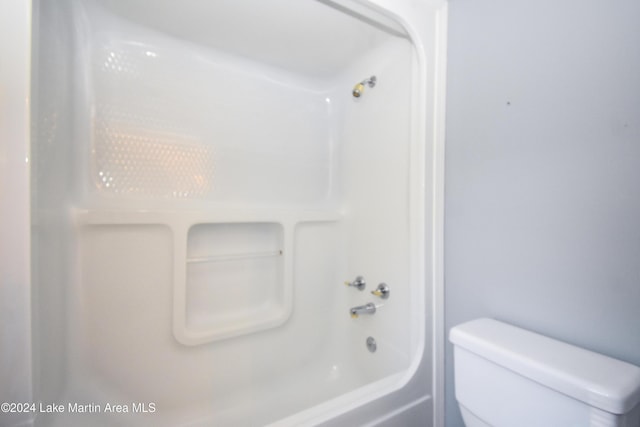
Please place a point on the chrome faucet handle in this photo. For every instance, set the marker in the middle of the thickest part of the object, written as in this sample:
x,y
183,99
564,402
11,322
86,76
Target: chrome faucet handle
x,y
382,291
357,283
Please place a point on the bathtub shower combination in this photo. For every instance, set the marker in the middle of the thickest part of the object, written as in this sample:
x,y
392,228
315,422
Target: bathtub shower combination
x,y
227,210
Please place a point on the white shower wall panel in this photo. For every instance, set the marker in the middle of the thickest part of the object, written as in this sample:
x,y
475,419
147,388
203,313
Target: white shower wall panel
x,y
375,177
121,347
164,166
175,120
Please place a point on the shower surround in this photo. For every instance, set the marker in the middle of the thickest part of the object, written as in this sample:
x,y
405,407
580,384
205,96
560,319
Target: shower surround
x,y
205,178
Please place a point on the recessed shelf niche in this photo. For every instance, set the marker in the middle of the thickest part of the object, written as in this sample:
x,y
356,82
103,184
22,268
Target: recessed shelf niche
x,y
234,277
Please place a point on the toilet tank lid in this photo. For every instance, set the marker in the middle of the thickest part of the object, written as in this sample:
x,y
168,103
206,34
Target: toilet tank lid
x,y
597,380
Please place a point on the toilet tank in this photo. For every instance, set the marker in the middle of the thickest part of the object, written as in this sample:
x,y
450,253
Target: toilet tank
x,y
506,376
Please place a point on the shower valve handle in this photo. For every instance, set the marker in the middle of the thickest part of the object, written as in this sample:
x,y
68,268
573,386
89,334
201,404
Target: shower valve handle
x,y
382,291
358,283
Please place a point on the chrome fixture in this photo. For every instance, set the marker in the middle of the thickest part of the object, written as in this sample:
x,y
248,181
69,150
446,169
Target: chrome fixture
x,y
358,89
382,291
371,344
358,283
369,308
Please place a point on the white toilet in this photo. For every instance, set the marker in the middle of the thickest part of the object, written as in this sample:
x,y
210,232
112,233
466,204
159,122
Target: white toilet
x,y
509,377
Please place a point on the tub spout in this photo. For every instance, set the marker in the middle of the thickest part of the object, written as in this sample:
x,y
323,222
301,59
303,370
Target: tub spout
x,y
369,308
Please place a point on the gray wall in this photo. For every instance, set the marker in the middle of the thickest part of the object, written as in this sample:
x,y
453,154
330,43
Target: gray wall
x,y
543,171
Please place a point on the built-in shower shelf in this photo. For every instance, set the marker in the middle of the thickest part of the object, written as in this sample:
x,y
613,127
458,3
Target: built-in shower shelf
x,y
185,218
234,257
233,268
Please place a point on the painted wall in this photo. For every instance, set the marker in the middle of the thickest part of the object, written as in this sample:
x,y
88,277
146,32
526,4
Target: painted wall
x,y
542,181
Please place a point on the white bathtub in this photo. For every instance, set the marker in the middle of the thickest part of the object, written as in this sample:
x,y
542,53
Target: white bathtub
x,y
202,183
